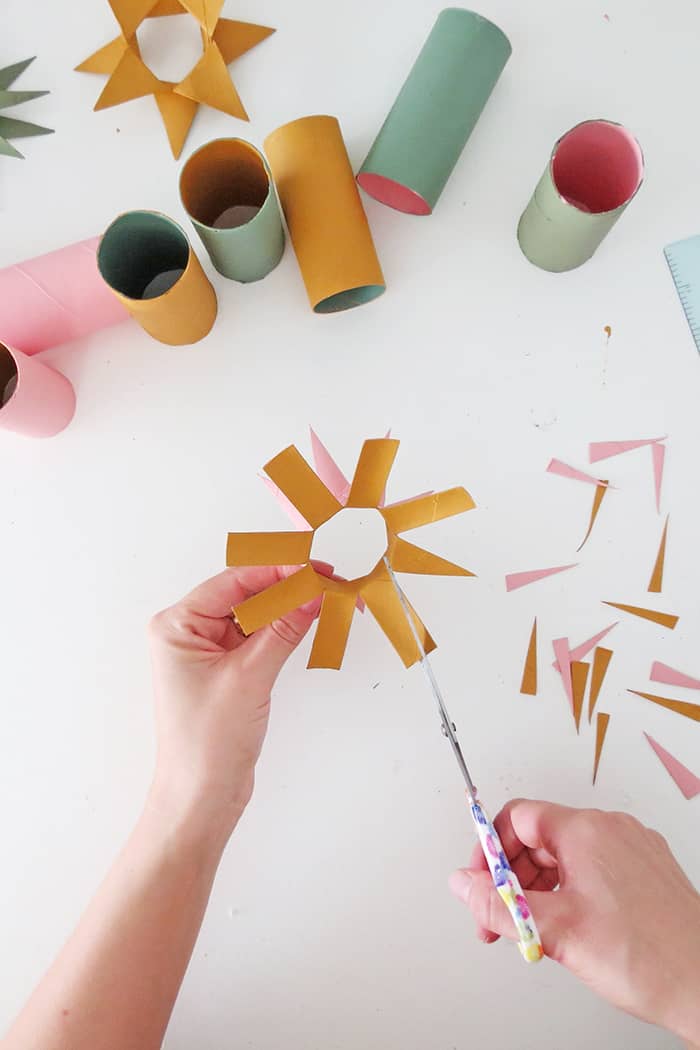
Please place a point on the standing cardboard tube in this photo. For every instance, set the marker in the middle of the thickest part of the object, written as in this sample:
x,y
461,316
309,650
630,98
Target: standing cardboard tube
x,y
147,261
324,213
593,173
435,112
227,191
35,400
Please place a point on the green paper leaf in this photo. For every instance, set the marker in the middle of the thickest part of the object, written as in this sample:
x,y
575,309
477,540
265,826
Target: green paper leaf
x,y
9,74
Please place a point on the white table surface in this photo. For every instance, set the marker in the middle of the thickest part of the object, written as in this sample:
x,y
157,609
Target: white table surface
x,y
330,925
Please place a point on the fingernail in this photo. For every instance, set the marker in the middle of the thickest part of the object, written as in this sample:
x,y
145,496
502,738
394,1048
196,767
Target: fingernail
x,y
460,883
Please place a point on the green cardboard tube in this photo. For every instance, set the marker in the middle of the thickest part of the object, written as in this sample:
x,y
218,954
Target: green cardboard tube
x,y
227,190
435,113
593,173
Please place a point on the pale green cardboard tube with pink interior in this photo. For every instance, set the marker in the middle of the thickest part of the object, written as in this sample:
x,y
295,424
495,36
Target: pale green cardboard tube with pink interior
x,y
435,112
593,173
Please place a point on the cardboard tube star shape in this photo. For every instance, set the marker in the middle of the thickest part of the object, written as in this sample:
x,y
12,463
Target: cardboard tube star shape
x,y
208,84
299,483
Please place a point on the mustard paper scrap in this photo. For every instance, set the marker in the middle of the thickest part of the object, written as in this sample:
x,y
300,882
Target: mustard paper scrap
x,y
680,707
528,685
662,618
601,729
598,495
579,677
601,661
657,576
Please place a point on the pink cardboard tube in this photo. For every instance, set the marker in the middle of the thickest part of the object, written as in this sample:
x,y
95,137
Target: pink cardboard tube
x,y
35,400
56,298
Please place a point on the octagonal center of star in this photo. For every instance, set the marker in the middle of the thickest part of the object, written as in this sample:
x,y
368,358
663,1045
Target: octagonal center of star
x,y
170,46
353,541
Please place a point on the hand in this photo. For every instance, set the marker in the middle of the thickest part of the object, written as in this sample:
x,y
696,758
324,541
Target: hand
x,y
212,695
625,919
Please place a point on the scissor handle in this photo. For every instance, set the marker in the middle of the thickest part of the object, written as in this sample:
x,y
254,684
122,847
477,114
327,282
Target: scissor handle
x,y
507,884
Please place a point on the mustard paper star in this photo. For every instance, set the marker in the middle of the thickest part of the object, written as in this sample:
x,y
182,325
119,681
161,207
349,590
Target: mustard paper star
x,y
208,83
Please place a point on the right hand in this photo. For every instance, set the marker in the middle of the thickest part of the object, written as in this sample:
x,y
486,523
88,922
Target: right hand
x,y
624,919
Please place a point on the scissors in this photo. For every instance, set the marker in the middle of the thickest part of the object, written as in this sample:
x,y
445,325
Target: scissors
x,y
504,878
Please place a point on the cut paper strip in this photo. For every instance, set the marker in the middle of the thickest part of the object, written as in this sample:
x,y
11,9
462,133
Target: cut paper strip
x,y
657,576
147,261
326,221
372,471
56,298
514,580
658,457
11,128
669,676
556,466
300,484
579,677
332,631
423,510
226,189
662,618
597,500
601,662
528,684
328,470
268,548
208,83
680,707
35,400
279,599
688,784
435,112
563,662
406,557
294,479
598,450
593,173
601,729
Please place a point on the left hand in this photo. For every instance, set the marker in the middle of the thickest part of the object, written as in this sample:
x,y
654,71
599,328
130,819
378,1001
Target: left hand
x,y
212,695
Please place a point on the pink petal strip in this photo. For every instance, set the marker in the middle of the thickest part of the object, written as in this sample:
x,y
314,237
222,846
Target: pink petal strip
x,y
565,471
514,580
669,676
604,449
687,782
561,652
328,470
658,456
287,506
584,648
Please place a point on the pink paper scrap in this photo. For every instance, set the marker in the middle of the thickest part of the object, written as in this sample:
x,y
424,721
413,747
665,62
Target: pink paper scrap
x,y
585,647
328,470
687,782
565,471
563,663
514,580
658,456
605,449
663,673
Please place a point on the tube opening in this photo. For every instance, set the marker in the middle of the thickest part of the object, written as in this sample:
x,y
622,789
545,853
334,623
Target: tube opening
x,y
392,193
224,184
597,166
9,376
365,293
143,254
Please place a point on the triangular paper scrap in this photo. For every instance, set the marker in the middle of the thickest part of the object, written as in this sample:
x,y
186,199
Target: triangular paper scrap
x,y
663,673
598,450
235,38
514,580
561,653
658,456
680,707
210,83
688,783
565,471
328,470
601,661
579,677
657,575
662,618
585,648
597,500
528,685
602,723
